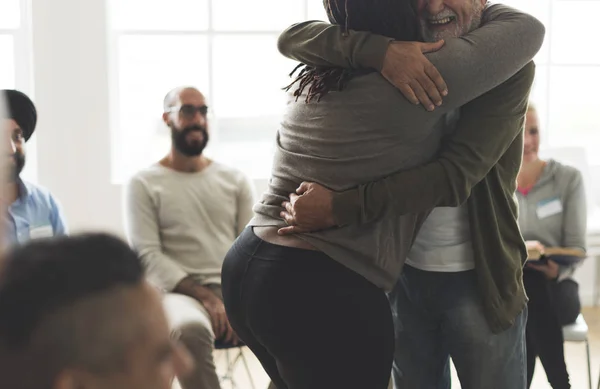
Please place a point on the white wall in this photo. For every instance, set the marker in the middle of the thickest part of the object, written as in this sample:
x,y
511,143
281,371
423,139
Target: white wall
x,y
71,88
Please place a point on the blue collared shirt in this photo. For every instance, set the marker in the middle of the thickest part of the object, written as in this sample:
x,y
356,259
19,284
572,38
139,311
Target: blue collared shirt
x,y
35,214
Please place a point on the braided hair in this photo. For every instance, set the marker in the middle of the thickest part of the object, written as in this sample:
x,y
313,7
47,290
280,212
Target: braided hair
x,y
396,19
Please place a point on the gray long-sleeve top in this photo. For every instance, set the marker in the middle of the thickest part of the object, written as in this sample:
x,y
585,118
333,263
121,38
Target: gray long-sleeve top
x,y
369,131
554,211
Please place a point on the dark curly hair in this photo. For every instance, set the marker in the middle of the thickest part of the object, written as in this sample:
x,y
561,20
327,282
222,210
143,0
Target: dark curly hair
x,y
396,19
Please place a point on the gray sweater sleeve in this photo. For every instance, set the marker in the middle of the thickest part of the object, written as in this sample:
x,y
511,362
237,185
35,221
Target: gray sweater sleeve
x,y
574,221
471,65
488,56
575,214
322,44
245,202
142,231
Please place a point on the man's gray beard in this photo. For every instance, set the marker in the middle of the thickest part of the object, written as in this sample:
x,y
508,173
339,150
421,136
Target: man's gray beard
x,y
428,36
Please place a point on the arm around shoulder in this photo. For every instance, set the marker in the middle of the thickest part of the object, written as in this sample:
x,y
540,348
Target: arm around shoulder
x,y
489,55
487,128
321,44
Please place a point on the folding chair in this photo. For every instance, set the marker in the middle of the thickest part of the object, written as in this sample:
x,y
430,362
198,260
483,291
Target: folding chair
x,y
233,355
578,332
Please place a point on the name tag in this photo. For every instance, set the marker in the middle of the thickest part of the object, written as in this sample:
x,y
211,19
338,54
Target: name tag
x,y
549,207
41,232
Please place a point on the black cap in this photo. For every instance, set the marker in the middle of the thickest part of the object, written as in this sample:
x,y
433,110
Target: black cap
x,y
22,110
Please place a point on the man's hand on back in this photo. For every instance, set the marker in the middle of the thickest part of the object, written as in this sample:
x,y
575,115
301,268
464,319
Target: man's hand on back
x,y
410,71
309,209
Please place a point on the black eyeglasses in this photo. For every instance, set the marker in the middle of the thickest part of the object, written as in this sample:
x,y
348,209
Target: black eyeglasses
x,y
189,110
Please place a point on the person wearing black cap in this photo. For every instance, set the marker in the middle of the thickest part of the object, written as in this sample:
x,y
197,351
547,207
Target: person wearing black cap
x,y
32,210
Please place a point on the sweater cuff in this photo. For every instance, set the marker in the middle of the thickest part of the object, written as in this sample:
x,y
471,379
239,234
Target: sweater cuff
x,y
346,207
170,281
372,53
564,272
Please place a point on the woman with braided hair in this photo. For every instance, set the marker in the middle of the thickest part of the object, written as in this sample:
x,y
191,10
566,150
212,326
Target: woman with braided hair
x,y
401,22
313,306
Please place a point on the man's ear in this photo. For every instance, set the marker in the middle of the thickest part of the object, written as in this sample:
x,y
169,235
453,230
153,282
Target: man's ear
x,y
165,117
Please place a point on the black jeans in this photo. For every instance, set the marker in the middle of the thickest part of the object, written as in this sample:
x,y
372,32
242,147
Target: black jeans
x,y
551,306
312,323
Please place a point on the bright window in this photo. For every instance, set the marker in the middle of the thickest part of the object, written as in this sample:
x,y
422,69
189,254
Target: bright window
x,y
10,17
568,73
216,46
15,67
7,65
227,48
10,29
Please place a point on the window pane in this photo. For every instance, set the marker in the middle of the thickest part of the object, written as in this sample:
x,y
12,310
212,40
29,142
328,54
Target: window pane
x,y
316,10
30,171
538,8
145,75
249,100
10,16
246,143
7,65
175,15
257,15
253,158
539,97
249,74
573,114
574,27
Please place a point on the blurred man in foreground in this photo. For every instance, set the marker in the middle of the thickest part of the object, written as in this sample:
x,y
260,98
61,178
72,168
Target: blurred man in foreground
x,y
77,314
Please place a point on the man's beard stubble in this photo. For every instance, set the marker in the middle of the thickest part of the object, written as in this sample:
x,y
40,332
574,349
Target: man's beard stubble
x,y
179,138
17,167
458,30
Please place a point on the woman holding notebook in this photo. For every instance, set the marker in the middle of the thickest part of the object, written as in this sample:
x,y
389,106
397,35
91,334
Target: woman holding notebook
x,y
552,217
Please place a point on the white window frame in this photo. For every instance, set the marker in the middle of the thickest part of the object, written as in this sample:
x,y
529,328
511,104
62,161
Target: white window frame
x,y
550,140
550,64
24,76
546,61
211,33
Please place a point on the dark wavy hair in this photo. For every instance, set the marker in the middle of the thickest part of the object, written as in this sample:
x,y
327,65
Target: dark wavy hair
x,y
396,19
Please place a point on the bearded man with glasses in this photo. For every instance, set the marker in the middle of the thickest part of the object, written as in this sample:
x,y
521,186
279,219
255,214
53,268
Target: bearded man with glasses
x,y
180,220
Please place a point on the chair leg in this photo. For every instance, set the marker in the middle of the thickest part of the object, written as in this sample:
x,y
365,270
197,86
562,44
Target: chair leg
x,y
228,375
231,363
233,366
598,387
245,362
587,349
